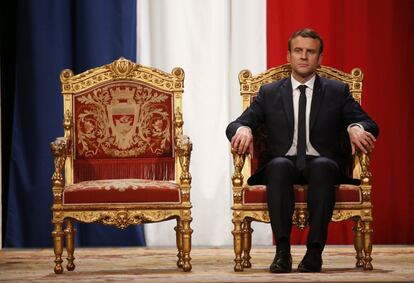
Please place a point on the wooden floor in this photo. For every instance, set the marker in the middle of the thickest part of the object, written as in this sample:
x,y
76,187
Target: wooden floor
x,y
391,264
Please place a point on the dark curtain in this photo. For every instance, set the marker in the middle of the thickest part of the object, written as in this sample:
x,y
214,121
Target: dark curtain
x,y
378,37
51,36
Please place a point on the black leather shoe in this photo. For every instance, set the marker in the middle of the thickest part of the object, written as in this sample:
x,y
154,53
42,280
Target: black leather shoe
x,y
282,263
311,262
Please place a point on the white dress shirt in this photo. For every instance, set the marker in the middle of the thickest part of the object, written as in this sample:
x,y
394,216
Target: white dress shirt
x,y
296,93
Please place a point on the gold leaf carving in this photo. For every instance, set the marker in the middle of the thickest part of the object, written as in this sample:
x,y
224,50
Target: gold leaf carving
x,y
123,218
342,215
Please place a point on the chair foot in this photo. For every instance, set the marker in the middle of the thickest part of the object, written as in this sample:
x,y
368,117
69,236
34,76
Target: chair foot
x,y
367,234
246,242
238,267
368,266
179,240
187,266
237,242
58,247
58,268
358,242
180,263
70,266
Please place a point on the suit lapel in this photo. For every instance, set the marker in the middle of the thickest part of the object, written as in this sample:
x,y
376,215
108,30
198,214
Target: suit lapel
x,y
287,98
317,97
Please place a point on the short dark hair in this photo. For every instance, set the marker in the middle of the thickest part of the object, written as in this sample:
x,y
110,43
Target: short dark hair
x,y
306,32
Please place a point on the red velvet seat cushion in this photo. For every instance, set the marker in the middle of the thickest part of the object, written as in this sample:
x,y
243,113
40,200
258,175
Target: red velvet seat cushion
x,y
256,195
122,191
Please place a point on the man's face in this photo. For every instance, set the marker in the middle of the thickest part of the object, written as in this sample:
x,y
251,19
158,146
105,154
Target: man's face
x,y
304,57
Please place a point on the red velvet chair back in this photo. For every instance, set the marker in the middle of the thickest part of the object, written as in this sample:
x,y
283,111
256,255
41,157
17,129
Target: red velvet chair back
x,y
123,130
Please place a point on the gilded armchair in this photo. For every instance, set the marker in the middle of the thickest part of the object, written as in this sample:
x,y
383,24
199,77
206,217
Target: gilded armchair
x,y
123,159
250,202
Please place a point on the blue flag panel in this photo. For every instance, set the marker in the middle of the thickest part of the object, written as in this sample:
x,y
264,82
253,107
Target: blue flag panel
x,y
51,36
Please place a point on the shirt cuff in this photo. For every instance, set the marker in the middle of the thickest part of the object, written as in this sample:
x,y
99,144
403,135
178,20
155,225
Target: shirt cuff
x,y
355,124
241,127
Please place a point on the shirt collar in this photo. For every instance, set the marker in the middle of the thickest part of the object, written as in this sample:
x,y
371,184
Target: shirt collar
x,y
309,83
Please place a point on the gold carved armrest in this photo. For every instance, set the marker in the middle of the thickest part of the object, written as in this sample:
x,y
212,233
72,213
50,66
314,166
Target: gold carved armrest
x,y
362,172
362,168
183,149
237,178
60,150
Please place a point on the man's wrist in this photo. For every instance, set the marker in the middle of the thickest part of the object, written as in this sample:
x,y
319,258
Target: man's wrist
x,y
242,127
355,125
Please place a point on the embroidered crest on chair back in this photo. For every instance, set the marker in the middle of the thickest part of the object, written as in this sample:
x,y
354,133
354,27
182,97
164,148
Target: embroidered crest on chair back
x,y
123,121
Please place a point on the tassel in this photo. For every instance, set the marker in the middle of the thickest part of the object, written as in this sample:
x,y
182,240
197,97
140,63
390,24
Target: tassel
x,y
162,169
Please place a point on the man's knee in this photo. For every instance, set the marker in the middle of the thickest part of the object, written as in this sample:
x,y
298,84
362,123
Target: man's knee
x,y
323,163
321,168
280,163
279,172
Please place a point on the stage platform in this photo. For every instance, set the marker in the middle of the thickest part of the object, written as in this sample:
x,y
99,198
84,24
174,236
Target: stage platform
x,y
391,264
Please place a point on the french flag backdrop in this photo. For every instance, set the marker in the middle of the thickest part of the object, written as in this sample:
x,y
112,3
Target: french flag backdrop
x,y
212,40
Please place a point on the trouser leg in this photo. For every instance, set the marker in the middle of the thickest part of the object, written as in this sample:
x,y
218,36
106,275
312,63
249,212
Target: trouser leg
x,y
280,174
321,174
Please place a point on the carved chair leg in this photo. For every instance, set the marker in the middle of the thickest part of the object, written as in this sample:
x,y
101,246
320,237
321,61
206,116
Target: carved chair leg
x,y
70,244
237,242
358,242
57,235
179,239
367,234
247,242
186,238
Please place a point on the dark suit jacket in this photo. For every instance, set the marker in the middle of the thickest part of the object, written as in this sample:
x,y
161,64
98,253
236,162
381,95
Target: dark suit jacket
x,y
333,109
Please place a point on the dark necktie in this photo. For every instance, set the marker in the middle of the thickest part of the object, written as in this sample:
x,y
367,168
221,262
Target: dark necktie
x,y
301,142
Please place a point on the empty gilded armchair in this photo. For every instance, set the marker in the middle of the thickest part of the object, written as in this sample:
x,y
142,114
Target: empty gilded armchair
x,y
123,159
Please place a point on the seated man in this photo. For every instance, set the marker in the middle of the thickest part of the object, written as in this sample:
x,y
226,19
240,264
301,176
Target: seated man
x,y
304,116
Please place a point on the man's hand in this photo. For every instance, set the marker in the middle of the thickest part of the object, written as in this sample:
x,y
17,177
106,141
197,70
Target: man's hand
x,y
361,139
242,141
